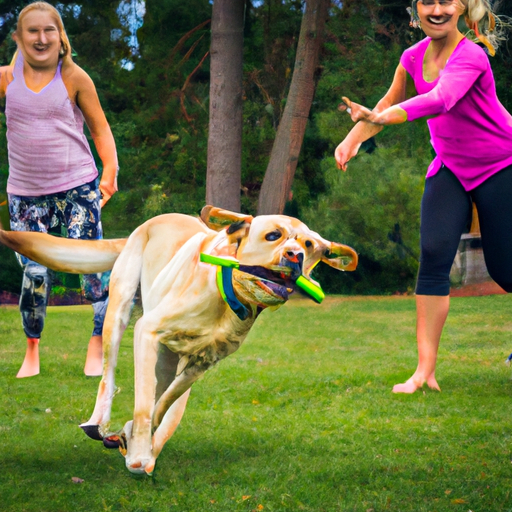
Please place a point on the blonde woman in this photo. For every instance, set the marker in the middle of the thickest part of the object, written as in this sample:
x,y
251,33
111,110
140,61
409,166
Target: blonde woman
x,y
53,180
471,133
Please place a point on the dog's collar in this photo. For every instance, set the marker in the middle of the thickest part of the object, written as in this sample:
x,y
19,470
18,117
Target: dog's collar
x,y
225,283
225,268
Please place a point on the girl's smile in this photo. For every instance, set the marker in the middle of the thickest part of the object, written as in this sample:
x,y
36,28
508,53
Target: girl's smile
x,y
40,39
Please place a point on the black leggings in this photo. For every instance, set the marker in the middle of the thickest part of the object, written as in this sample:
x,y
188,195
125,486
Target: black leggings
x,y
445,212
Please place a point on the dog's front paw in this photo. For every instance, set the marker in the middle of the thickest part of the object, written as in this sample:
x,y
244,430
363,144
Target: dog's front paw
x,y
140,466
139,456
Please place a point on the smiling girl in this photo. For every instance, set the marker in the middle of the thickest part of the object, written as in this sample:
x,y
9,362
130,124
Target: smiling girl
x,y
471,133
53,179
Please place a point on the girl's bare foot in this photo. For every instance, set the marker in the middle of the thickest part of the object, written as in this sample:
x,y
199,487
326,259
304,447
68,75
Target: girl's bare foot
x,y
94,362
30,366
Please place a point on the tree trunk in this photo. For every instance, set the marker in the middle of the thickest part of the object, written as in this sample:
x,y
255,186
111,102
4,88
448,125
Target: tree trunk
x,y
276,187
223,180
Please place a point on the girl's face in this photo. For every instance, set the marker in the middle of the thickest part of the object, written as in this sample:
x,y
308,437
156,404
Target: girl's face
x,y
39,39
439,18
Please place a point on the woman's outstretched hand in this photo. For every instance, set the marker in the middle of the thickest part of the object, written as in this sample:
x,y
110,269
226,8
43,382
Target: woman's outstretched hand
x,y
392,115
345,151
357,112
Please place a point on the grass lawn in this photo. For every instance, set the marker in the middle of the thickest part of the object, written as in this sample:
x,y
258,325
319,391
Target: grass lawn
x,y
301,418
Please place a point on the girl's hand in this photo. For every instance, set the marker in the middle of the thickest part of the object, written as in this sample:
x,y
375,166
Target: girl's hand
x,y
107,190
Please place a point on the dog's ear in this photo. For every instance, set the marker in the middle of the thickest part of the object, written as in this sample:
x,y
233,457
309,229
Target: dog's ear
x,y
340,257
218,219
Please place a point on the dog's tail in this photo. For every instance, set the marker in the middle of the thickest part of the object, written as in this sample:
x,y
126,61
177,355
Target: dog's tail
x,y
64,254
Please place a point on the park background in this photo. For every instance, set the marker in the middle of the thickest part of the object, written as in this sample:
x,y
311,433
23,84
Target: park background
x,y
302,417
150,63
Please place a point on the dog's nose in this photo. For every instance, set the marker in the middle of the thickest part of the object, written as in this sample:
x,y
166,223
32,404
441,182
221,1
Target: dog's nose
x,y
293,260
291,256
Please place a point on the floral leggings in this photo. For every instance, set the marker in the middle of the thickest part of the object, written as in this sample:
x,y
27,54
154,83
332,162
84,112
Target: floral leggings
x,y
78,212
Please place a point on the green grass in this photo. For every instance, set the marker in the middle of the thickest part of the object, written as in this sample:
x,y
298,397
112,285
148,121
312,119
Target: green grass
x,y
301,418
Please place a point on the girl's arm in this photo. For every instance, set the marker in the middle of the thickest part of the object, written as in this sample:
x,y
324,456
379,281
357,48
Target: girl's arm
x,y
87,100
366,129
5,79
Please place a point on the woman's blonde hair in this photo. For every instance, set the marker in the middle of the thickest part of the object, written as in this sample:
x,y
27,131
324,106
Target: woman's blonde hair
x,y
486,26
65,52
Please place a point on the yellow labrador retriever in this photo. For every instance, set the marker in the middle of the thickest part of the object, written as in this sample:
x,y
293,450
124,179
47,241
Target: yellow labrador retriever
x,y
195,313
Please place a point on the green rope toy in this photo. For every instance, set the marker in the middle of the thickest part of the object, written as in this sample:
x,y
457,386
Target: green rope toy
x,y
302,282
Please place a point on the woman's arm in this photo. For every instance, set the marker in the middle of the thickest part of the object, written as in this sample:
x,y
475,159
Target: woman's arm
x,y
87,100
392,115
457,78
365,129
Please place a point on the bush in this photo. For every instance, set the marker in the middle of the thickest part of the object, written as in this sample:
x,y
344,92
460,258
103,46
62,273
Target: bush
x,y
374,208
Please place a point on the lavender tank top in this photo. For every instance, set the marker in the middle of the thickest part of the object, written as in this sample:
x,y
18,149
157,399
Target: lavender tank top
x,y
47,148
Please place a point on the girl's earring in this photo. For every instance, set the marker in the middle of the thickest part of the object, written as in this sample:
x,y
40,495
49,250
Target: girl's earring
x,y
413,13
62,52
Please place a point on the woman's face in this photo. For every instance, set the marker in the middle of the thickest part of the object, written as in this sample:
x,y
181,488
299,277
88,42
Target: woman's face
x,y
439,18
39,39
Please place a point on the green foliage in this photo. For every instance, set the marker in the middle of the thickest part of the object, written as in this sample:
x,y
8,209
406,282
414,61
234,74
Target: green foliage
x,y
10,271
373,207
301,418
158,112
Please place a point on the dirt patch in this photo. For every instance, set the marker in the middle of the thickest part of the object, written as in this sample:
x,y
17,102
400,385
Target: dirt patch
x,y
9,298
477,290
68,299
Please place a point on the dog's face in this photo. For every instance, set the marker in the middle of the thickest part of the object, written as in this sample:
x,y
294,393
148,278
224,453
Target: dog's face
x,y
273,251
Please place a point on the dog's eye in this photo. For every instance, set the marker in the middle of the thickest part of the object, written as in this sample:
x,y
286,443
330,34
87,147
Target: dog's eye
x,y
308,243
273,236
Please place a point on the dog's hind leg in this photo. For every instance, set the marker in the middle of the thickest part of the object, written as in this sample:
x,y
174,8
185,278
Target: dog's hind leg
x,y
141,455
123,286
169,424
165,374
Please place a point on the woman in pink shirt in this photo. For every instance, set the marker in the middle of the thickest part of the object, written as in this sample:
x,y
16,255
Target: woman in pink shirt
x,y
53,179
471,133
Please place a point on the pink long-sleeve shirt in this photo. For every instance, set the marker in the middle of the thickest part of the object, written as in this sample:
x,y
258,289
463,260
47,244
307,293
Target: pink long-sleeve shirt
x,y
471,131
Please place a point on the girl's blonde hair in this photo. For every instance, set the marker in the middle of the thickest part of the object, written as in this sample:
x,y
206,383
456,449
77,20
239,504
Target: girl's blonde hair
x,y
65,52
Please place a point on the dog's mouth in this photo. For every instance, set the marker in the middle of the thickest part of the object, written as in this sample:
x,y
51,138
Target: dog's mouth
x,y
279,281
263,286
276,281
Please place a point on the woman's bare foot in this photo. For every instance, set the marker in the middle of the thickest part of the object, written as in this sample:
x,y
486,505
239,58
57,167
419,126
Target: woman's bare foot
x,y
415,383
30,366
94,361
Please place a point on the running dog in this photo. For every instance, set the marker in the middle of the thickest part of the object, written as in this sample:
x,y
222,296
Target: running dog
x,y
203,283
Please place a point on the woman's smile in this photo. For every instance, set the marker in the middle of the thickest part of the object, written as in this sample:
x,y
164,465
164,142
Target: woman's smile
x,y
439,20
